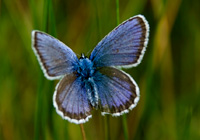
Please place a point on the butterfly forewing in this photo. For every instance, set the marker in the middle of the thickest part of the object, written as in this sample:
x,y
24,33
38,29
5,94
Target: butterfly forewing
x,y
124,46
117,91
55,57
71,101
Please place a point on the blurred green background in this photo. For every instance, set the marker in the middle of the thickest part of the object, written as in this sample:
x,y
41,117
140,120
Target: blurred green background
x,y
168,77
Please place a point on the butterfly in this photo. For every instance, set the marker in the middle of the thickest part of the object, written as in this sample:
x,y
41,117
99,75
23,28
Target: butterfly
x,y
94,82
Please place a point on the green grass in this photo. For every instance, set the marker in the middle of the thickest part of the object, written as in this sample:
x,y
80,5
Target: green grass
x,y
168,76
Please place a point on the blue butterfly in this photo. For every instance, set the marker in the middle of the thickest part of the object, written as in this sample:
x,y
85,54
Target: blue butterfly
x,y
94,82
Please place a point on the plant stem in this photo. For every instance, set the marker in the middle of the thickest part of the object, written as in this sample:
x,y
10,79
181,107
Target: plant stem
x,y
83,131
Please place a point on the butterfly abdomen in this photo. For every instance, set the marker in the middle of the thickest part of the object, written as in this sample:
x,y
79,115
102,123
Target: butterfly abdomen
x,y
92,93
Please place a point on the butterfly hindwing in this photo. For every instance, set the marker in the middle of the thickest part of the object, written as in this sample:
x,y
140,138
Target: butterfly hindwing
x,y
124,46
56,59
117,91
71,101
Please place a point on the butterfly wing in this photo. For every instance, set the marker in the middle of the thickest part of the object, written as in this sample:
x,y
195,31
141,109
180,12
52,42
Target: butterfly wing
x,y
71,101
124,46
117,91
55,58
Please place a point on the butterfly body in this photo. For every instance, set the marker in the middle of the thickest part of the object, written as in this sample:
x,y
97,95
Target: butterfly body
x,y
85,70
94,82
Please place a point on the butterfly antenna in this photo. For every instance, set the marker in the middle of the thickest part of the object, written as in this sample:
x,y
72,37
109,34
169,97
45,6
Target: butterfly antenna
x,y
89,52
78,55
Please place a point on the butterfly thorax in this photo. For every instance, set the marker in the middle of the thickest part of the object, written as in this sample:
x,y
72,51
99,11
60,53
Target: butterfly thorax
x,y
85,68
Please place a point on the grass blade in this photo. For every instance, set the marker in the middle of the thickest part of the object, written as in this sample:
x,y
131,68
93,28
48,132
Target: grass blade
x,y
124,120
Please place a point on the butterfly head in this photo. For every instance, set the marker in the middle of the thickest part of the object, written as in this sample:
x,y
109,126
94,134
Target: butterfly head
x,y
83,56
